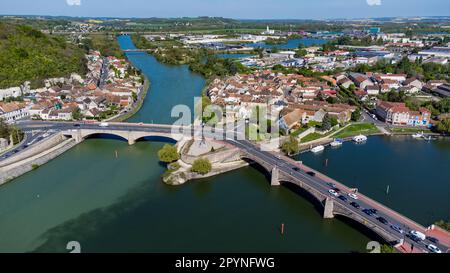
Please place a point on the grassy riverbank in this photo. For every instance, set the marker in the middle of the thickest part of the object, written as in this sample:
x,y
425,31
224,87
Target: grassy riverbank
x,y
356,129
409,130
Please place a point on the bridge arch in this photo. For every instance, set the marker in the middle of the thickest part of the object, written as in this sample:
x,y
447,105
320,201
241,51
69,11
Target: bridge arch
x,y
130,136
106,135
267,170
156,138
258,166
359,225
316,201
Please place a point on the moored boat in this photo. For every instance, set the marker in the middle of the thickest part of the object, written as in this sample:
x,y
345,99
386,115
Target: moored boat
x,y
359,138
336,143
418,135
317,149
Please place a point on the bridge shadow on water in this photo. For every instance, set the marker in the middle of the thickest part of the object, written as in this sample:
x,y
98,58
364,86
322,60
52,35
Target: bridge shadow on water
x,y
361,228
142,139
290,186
157,139
106,136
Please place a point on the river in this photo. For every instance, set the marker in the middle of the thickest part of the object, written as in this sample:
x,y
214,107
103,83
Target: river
x,y
111,204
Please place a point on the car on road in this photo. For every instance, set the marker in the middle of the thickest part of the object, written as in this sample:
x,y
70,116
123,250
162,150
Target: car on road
x,y
398,229
353,196
382,220
432,239
418,234
297,169
374,211
368,212
355,205
336,190
333,192
433,248
343,198
311,173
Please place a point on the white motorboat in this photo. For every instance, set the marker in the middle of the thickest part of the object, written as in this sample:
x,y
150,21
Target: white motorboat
x,y
418,135
317,149
336,143
359,138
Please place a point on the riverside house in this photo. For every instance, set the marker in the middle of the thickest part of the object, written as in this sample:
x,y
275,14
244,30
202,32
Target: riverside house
x,y
397,113
12,111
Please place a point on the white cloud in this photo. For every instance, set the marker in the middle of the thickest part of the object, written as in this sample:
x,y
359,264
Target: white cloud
x,y
373,2
73,2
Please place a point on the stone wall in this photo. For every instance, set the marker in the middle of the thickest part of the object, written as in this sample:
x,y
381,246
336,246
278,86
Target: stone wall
x,y
17,169
35,149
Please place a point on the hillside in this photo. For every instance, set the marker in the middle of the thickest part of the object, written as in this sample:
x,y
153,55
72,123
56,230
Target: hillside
x,y
28,54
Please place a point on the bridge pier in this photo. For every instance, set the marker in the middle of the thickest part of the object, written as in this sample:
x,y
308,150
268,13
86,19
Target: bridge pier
x,y
328,208
77,136
275,179
131,141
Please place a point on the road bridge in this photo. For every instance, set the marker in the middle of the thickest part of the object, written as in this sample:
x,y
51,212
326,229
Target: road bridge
x,y
281,169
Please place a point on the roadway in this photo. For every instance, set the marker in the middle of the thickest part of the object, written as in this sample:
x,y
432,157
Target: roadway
x,y
286,166
31,137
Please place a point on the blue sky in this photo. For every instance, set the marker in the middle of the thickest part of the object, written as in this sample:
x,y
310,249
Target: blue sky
x,y
241,9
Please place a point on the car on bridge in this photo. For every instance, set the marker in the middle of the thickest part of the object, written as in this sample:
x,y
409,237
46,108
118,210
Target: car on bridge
x,y
334,193
382,220
331,185
297,169
104,124
353,196
355,205
433,248
398,229
311,173
432,239
343,198
418,234
369,212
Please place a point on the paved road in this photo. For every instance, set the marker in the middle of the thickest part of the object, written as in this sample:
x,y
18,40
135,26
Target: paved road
x,y
104,73
31,137
286,166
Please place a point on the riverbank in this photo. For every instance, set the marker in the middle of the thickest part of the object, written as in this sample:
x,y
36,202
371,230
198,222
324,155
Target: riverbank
x,y
136,105
34,157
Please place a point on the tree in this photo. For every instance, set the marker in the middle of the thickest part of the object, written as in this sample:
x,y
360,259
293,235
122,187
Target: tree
x,y
334,121
443,126
168,154
326,122
76,114
300,53
443,224
290,147
387,249
7,131
356,115
201,166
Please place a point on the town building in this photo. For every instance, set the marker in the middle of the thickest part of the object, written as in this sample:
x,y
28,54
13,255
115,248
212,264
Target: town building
x,y
397,113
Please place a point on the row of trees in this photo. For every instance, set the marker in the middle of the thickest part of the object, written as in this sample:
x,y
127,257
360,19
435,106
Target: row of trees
x,y
169,154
